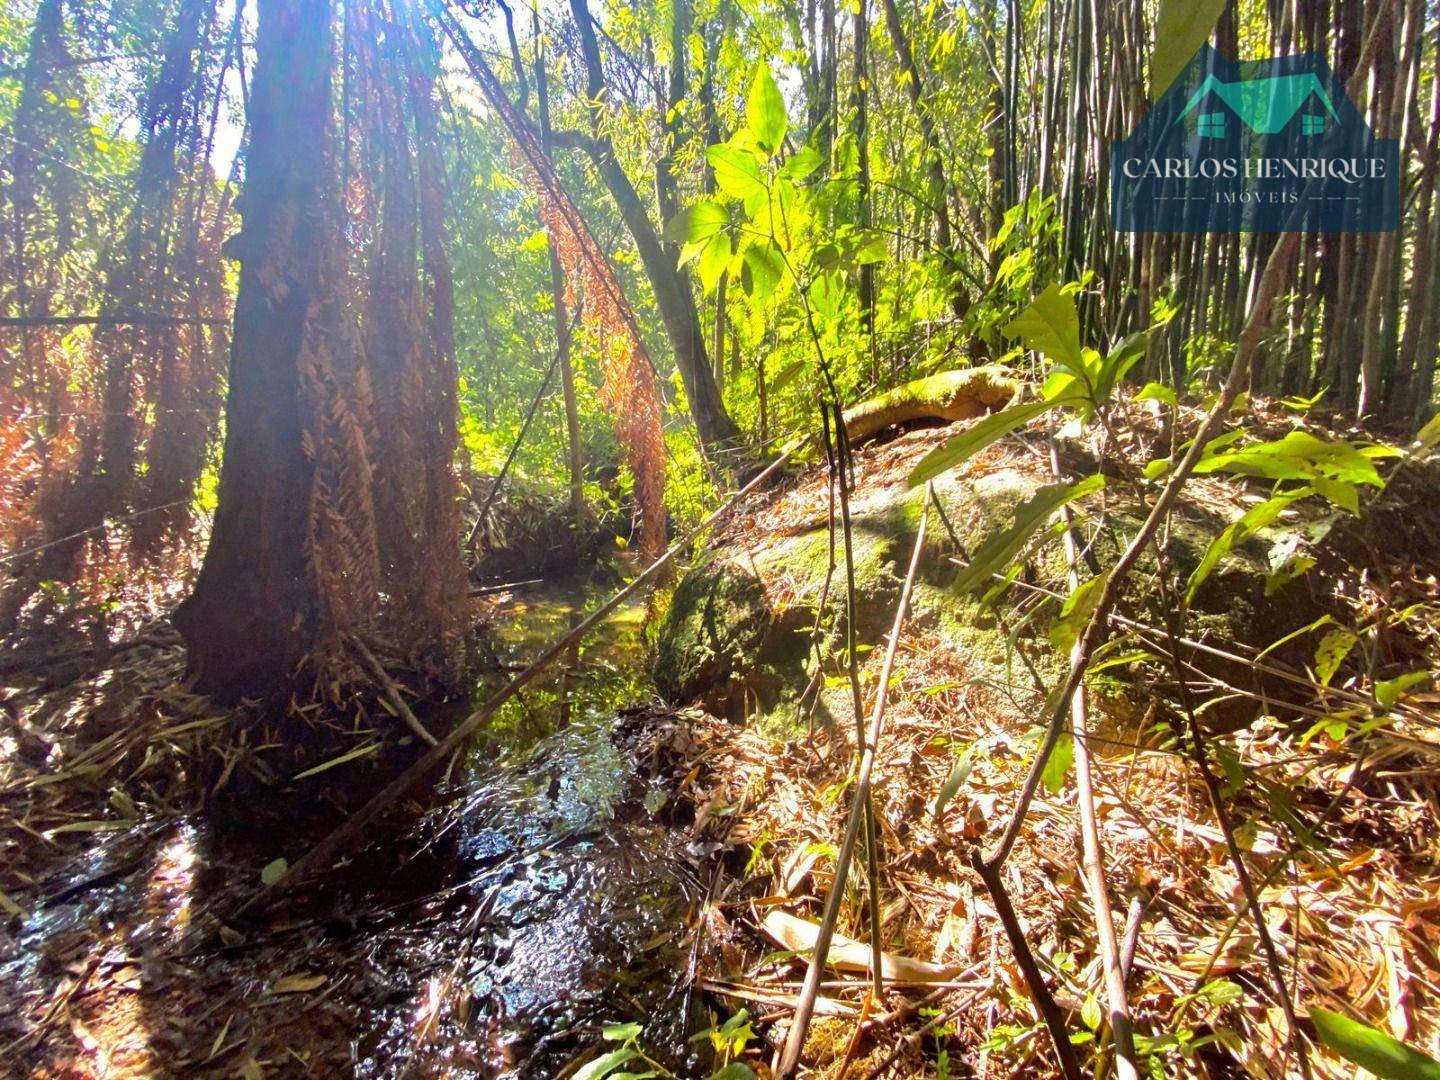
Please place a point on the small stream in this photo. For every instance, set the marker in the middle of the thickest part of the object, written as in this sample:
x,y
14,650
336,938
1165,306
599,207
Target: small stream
x,y
544,896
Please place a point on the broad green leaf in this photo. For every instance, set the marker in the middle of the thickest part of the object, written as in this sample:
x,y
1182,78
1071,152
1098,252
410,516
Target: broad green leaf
x,y
764,266
736,170
736,1070
1372,1049
1117,365
1076,612
1057,767
714,260
621,1032
1181,28
1300,456
604,1065
273,871
827,293
1331,653
1154,391
1000,547
786,376
975,438
1257,517
1051,326
765,110
801,163
697,222
1090,1013
1388,691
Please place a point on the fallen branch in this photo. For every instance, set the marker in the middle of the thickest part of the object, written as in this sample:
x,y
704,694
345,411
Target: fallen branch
x,y
351,830
795,1039
1034,980
391,691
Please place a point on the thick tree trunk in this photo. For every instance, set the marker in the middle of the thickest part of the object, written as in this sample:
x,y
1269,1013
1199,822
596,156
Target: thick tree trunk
x,y
254,612
669,282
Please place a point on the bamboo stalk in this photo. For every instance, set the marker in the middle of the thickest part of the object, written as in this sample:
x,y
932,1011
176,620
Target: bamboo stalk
x,y
795,1040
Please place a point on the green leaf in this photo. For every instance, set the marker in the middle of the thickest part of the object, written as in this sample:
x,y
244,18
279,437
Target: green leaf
x,y
765,110
994,555
787,375
273,871
605,1064
620,1032
1117,365
764,266
1372,1049
737,172
1257,517
948,790
1076,612
697,222
1154,391
1181,28
1388,691
1090,1013
1057,766
1429,435
1051,326
801,163
975,438
1331,653
736,1070
827,293
714,260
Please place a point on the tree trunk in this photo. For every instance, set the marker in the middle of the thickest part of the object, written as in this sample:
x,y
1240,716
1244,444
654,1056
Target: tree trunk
x,y
254,612
669,282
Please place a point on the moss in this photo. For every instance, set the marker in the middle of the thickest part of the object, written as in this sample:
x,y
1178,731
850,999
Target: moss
x,y
949,396
716,622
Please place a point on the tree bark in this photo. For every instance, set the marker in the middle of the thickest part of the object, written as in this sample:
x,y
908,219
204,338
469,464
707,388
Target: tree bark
x,y
253,614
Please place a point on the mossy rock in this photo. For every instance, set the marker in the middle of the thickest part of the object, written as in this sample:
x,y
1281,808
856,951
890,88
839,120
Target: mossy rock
x,y
943,398
715,625
721,642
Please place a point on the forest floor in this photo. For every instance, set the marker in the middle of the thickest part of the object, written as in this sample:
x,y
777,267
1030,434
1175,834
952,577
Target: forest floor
x,y
594,862
1351,892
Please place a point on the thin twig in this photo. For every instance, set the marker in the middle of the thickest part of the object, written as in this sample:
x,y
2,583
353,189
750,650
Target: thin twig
x,y
1194,739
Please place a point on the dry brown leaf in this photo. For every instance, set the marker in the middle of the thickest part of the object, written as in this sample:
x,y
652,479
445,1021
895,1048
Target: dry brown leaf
x,y
798,936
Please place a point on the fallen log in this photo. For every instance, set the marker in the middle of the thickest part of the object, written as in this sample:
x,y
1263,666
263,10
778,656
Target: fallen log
x,y
949,396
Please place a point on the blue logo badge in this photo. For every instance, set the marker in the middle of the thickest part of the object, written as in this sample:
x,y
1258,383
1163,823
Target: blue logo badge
x,y
1261,146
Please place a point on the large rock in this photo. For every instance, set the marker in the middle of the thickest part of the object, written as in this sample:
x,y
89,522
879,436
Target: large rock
x,y
737,633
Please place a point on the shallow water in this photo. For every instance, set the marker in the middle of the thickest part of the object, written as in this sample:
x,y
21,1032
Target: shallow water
x,y
542,897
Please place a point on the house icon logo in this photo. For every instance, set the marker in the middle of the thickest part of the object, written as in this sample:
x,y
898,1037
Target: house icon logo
x,y
1262,146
